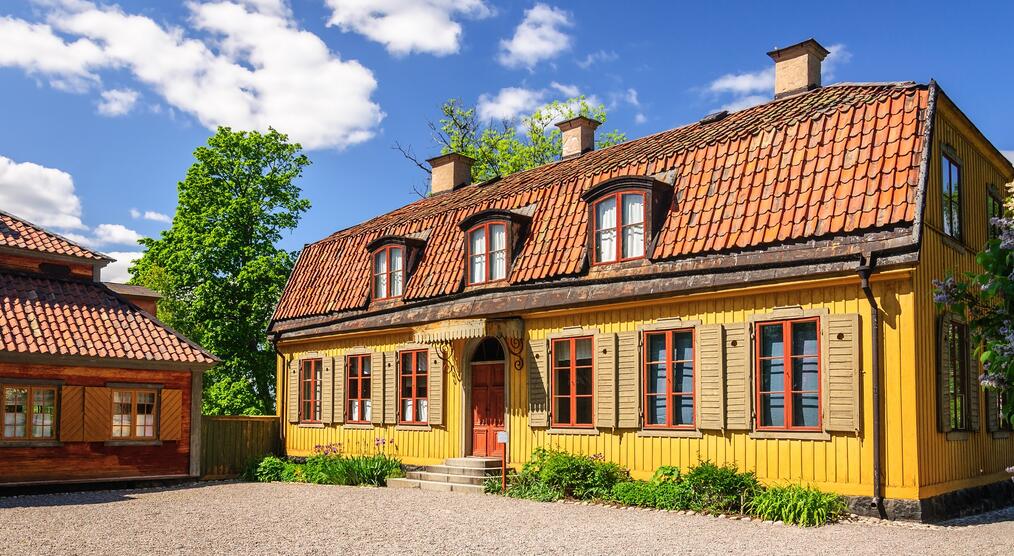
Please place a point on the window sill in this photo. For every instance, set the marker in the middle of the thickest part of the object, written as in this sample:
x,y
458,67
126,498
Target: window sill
x,y
310,425
790,435
1001,435
30,443
958,435
117,443
422,428
580,432
669,433
358,426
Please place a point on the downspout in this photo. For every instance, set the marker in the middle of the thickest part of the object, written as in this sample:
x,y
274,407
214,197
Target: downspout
x,y
867,267
278,395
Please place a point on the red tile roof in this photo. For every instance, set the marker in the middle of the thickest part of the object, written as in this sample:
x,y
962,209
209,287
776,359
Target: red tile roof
x,y
837,160
40,315
21,234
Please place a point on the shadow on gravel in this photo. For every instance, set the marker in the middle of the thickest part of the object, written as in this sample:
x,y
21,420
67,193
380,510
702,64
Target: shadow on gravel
x,y
1002,515
86,495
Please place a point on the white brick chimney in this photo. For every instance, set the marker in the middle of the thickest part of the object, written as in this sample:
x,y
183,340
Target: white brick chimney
x,y
450,171
578,135
797,67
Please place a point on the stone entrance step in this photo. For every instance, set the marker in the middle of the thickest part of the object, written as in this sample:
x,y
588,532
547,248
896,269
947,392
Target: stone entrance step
x,y
455,475
473,461
434,486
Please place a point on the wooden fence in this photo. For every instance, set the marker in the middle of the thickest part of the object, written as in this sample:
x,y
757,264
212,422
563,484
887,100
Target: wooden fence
x,y
229,443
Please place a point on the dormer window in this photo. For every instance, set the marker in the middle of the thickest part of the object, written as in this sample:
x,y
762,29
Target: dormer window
x,y
388,272
490,238
392,259
622,212
619,234
487,253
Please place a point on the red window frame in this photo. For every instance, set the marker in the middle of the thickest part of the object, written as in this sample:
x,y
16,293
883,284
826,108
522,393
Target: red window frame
x,y
572,368
620,225
310,371
416,379
787,392
386,251
952,182
485,226
29,412
356,392
669,367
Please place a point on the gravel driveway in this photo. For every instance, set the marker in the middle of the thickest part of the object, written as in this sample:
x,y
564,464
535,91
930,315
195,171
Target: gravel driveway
x,y
247,518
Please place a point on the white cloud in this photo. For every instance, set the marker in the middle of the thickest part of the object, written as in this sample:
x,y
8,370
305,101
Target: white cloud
x,y
114,234
597,57
257,68
117,102
640,118
744,83
150,215
509,103
406,26
839,54
744,102
538,37
117,271
41,195
566,90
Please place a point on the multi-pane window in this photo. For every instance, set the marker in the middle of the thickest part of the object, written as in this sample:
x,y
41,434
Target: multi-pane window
x,y
310,390
950,177
572,382
619,227
28,412
388,272
669,379
788,375
954,359
134,414
358,370
1000,399
487,253
413,387
994,209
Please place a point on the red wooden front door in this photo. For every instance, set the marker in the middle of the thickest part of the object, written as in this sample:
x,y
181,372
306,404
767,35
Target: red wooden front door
x,y
487,408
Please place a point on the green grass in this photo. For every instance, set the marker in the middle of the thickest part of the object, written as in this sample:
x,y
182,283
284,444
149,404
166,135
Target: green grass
x,y
331,469
797,505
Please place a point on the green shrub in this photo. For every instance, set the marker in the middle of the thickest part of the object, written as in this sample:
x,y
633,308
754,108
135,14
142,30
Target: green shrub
x,y
583,477
798,505
529,486
673,496
292,472
719,489
492,485
635,493
269,469
336,469
666,474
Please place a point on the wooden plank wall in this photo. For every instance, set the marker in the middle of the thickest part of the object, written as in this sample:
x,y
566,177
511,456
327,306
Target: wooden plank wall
x,y
230,443
981,457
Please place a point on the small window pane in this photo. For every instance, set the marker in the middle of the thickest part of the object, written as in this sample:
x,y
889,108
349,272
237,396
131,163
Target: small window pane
x,y
397,277
633,209
684,410
656,347
421,410
15,405
584,352
772,410
683,377
407,407
633,241
354,410
683,346
605,226
561,410
804,338
562,385
772,343
584,411
584,381
656,378
805,374
477,269
367,414
479,241
43,407
561,353
772,375
656,410
498,235
805,410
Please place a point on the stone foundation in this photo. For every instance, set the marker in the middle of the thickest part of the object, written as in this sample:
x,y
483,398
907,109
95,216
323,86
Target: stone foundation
x,y
967,501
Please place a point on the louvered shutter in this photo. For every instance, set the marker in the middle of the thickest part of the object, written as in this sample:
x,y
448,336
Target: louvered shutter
x,y
98,414
72,414
327,390
738,375
992,411
538,383
293,382
605,381
943,387
378,371
435,387
710,377
391,378
628,381
841,335
339,390
974,388
171,415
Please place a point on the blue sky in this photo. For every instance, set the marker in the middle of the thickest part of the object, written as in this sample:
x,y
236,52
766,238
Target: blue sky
x,y
104,102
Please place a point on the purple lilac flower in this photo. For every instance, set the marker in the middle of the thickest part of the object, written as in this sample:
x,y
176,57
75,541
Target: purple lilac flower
x,y
945,292
994,381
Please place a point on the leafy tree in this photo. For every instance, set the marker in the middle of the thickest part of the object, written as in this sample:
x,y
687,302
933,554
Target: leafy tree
x,y
987,300
511,145
218,267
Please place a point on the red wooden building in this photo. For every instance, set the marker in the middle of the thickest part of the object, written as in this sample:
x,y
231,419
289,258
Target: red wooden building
x,y
94,387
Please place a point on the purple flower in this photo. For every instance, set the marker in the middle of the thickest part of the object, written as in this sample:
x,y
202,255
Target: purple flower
x,y
994,381
945,292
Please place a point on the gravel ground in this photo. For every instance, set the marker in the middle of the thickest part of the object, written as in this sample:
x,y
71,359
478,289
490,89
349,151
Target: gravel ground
x,y
248,518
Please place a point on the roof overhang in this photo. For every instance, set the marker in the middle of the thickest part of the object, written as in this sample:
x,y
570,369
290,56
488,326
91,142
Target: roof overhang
x,y
466,329
101,362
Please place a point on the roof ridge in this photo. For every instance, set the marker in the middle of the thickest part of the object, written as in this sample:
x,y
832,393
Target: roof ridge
x,y
39,228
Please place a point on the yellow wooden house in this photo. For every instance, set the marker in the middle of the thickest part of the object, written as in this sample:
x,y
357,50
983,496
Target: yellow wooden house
x,y
753,288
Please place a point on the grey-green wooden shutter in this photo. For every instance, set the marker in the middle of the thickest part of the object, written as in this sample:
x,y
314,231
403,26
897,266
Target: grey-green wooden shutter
x,y
992,411
391,380
377,373
435,387
538,383
943,388
628,380
974,388
710,377
738,375
841,372
339,389
327,390
605,381
293,398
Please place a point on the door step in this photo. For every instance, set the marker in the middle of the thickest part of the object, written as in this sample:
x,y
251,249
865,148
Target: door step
x,y
455,475
434,486
474,461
